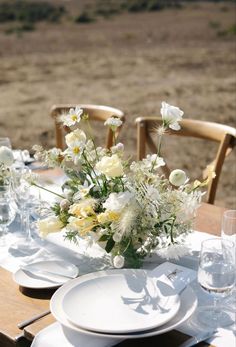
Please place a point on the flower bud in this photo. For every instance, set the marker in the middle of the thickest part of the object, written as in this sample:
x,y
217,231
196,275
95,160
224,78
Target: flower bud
x,y
177,177
64,204
118,261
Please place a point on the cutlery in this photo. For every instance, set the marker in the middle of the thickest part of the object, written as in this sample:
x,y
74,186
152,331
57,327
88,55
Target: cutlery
x,y
34,271
33,319
202,336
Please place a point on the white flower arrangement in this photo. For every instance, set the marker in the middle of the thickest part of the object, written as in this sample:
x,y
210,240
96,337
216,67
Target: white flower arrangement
x,y
130,209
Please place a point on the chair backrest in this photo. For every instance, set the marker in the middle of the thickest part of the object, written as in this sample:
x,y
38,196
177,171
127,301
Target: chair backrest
x,y
224,135
96,113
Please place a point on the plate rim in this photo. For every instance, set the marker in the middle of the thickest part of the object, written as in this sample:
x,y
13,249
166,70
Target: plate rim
x,y
94,276
148,333
47,285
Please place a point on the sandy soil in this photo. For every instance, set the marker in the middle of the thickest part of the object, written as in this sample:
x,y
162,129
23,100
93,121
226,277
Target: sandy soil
x,y
133,62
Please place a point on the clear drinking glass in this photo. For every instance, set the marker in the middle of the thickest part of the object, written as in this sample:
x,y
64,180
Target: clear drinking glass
x,y
228,232
5,141
216,275
25,200
7,211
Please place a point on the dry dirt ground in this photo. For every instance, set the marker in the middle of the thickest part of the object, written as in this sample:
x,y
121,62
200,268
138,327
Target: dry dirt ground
x,y
132,61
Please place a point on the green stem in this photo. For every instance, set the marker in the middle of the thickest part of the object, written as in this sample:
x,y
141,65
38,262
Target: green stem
x,y
114,138
47,190
171,230
159,146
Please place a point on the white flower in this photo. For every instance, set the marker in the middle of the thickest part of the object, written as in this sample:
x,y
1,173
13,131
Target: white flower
x,y
118,261
117,201
119,148
76,142
76,136
117,236
49,225
153,161
177,177
171,115
6,156
110,166
113,123
72,117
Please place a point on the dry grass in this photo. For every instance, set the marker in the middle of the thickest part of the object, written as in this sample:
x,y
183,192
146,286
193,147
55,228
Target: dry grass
x,y
133,62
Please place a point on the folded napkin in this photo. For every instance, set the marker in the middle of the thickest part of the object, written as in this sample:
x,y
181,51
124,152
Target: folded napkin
x,y
54,336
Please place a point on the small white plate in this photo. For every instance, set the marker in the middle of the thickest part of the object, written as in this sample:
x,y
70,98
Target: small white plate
x,y
34,280
188,304
129,301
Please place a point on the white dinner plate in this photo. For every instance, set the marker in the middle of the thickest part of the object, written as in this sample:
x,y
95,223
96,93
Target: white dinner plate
x,y
129,301
188,304
45,280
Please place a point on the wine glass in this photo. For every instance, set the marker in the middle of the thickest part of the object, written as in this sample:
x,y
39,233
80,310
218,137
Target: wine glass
x,y
25,200
5,141
7,211
228,232
216,275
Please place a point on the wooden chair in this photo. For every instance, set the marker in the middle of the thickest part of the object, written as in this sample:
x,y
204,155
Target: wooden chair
x,y
96,113
224,135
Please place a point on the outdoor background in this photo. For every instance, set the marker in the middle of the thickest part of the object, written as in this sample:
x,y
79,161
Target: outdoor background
x,y
131,55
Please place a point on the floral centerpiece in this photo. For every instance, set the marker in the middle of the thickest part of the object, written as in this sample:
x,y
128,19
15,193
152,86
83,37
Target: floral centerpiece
x,y
129,209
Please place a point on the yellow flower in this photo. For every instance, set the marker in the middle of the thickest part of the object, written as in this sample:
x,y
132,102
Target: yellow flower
x,y
83,208
49,225
83,225
108,216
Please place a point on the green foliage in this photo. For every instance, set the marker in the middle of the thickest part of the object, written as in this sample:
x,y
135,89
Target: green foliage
x,y
107,8
84,17
151,5
232,29
214,24
19,29
29,12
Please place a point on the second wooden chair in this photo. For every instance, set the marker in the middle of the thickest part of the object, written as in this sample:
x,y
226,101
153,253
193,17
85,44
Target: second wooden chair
x,y
224,135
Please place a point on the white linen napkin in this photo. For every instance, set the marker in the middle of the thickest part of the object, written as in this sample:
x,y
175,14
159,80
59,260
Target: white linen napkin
x,y
53,335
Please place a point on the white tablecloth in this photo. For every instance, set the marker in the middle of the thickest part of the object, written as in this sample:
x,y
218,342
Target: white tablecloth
x,y
93,259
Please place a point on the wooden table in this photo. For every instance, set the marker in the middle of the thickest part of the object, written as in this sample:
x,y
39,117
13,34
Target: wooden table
x,y
18,304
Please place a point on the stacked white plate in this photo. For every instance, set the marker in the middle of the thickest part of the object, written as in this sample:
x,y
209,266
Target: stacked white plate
x,y
120,304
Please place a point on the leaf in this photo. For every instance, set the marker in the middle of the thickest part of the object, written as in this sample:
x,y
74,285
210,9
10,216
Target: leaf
x,y
104,238
110,244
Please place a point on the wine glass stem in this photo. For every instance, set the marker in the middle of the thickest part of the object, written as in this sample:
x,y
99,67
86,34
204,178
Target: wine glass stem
x,y
25,222
3,232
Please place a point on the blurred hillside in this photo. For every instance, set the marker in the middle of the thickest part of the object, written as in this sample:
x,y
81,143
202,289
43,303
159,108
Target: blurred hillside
x,y
130,60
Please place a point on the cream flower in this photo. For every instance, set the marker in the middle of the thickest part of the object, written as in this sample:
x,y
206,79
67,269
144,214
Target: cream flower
x,y
72,117
6,156
177,177
110,166
49,225
76,136
171,115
